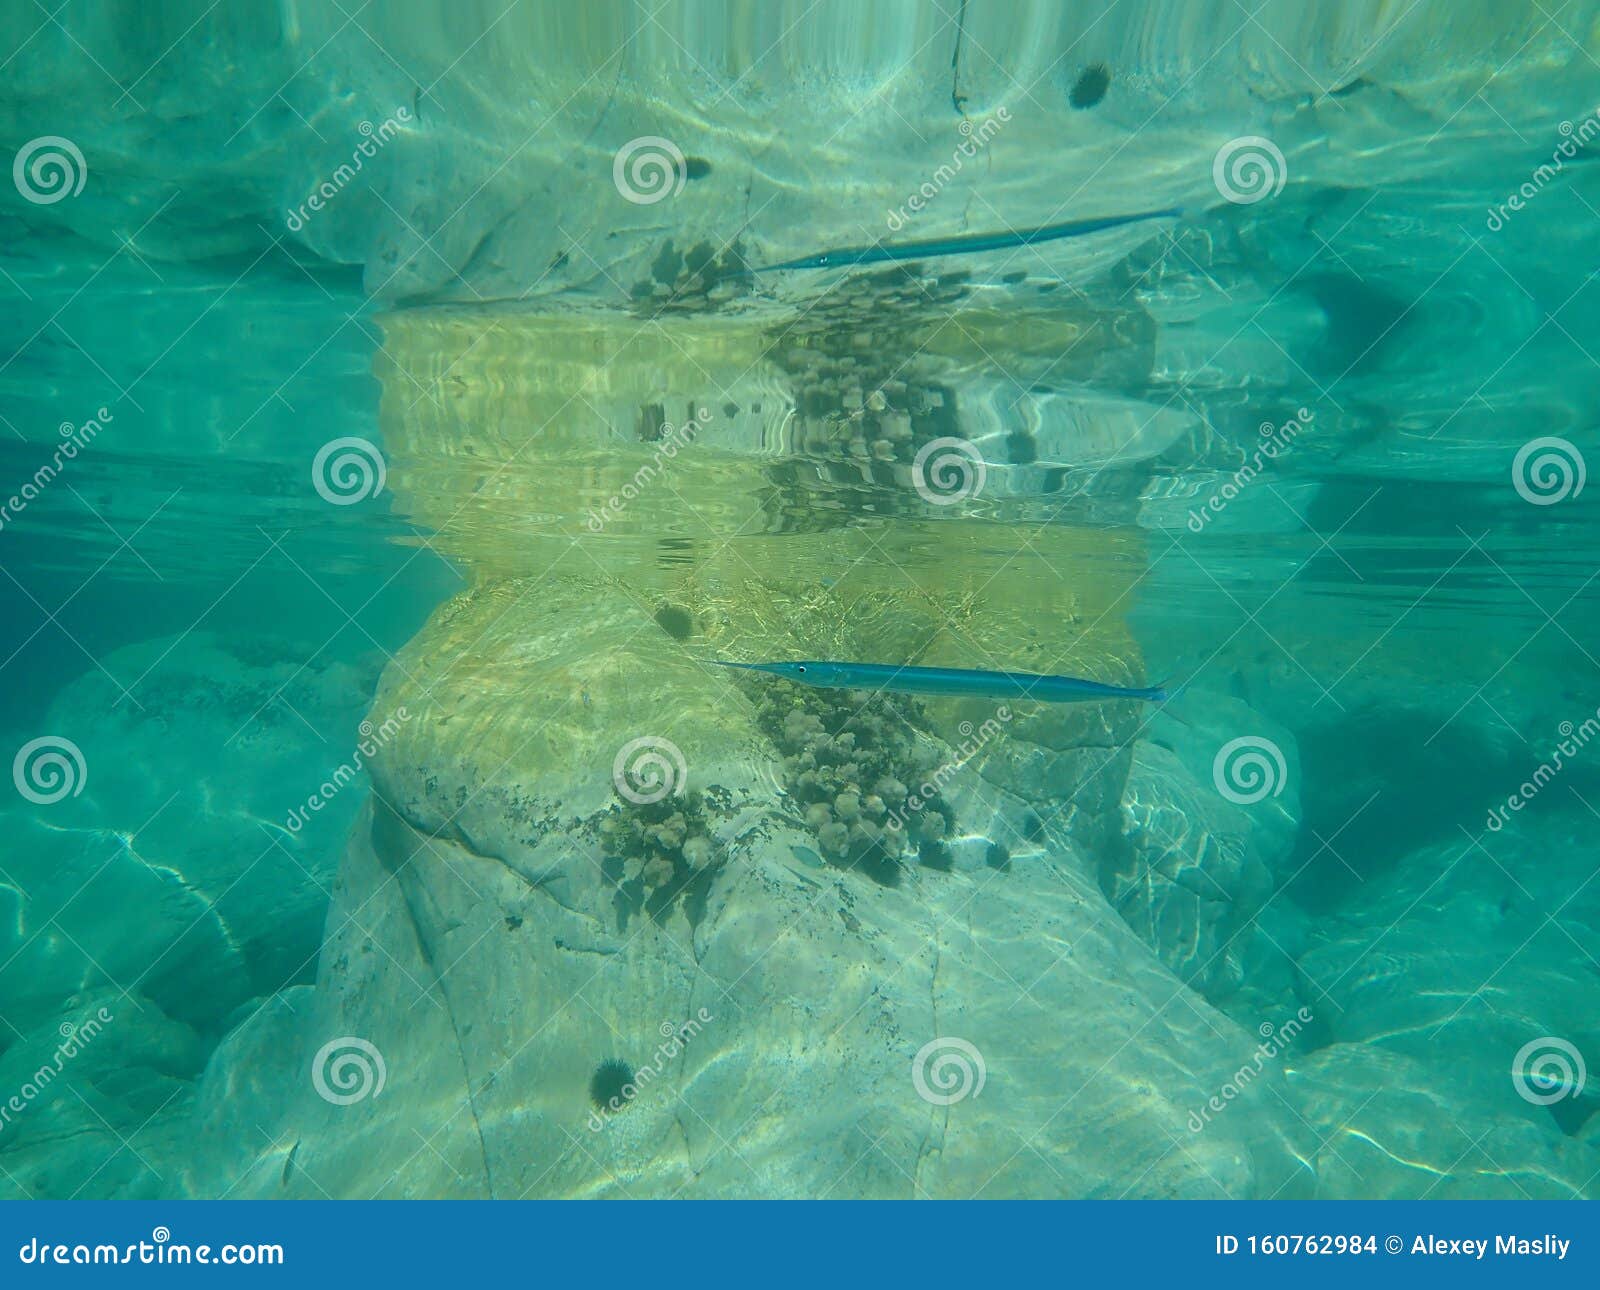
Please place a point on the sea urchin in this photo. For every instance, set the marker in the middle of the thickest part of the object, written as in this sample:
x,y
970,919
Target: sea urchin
x,y
611,1085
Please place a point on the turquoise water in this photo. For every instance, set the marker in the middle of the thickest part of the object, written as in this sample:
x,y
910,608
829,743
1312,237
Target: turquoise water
x,y
402,413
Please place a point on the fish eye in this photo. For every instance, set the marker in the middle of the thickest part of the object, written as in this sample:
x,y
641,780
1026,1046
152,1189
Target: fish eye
x,y
799,667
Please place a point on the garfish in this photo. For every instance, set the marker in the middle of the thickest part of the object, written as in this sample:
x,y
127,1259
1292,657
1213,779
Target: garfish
x,y
965,244
953,681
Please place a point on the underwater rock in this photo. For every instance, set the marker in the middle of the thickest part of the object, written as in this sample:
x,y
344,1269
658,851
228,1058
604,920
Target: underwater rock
x,y
215,871
1189,884
522,903
796,1020
1068,431
1465,952
1202,857
1241,756
99,1101
589,846
1386,1125
86,903
482,155
244,1139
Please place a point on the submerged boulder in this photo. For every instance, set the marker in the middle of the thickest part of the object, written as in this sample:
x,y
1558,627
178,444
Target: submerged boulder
x,y
189,863
815,1033
1209,816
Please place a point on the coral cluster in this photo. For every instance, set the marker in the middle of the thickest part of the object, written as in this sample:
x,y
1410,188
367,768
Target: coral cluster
x,y
701,278
659,853
847,764
858,393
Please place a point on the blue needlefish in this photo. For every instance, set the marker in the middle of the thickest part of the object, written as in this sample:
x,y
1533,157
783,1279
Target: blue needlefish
x,y
953,681
965,244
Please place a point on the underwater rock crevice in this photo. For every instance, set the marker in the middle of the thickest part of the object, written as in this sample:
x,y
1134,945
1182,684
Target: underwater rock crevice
x,y
389,820
938,1125
414,891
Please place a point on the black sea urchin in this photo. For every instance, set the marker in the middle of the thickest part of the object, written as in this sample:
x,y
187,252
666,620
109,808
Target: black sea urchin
x,y
611,1085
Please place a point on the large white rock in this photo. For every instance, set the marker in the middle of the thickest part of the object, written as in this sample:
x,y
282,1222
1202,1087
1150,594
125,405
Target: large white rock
x,y
776,1046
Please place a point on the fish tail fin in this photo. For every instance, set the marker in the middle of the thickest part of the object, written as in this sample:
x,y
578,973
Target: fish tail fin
x,y
1164,693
